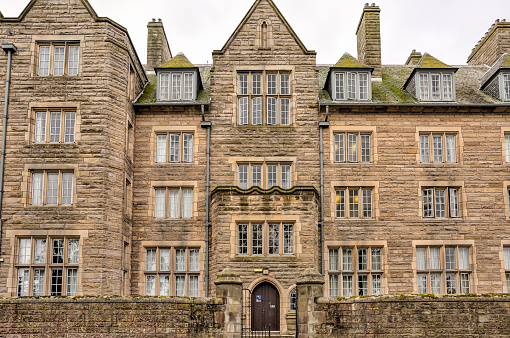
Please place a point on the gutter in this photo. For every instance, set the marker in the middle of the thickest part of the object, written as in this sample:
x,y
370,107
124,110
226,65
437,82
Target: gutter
x,y
169,104
9,48
207,124
322,125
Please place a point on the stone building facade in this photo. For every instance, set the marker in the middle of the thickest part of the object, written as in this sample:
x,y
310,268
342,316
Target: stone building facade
x,y
125,179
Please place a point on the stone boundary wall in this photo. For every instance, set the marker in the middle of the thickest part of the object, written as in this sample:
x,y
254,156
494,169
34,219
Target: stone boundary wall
x,y
108,317
402,315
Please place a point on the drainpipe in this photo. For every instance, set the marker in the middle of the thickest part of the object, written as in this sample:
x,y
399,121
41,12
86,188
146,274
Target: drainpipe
x,y
207,124
9,48
322,125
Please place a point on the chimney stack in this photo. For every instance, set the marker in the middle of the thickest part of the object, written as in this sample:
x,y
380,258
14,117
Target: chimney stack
x,y
369,38
494,43
158,50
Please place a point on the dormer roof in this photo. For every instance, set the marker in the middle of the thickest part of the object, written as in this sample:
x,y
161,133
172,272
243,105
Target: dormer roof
x,y
428,62
349,61
502,63
179,61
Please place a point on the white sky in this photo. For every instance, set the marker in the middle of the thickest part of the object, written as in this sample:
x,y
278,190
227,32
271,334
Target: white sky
x,y
446,29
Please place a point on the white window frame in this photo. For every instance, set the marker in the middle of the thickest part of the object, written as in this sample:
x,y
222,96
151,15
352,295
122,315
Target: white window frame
x,y
52,187
444,151
269,174
173,85
441,202
352,147
265,238
505,86
354,202
167,151
45,130
444,89
352,85
61,58
173,202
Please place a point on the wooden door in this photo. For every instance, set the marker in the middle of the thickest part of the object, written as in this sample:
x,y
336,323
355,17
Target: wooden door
x,y
265,302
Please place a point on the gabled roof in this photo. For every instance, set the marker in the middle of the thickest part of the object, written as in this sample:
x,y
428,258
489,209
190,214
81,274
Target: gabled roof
x,y
502,63
248,15
349,61
427,61
179,61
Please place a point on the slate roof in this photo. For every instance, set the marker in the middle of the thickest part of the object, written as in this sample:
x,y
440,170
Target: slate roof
x,y
349,61
502,63
178,61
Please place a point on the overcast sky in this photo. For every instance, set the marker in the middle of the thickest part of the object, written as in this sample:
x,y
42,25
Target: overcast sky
x,y
446,29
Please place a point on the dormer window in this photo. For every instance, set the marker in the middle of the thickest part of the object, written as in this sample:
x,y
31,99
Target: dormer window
x,y
351,85
176,86
506,87
435,86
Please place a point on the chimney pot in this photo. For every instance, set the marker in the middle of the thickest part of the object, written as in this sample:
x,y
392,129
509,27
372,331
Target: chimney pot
x,y
366,5
373,4
159,20
153,20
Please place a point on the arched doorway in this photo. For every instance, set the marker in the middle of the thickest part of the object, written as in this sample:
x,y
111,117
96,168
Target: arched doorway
x,y
265,304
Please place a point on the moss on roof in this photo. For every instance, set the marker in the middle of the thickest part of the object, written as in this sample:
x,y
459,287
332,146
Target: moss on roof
x,y
179,61
428,61
149,93
349,61
506,61
389,90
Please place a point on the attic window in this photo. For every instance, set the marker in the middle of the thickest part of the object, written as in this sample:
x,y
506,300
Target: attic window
x,y
177,86
435,86
351,85
506,87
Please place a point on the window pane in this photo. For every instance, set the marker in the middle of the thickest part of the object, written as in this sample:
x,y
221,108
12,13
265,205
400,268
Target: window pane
x,y
242,239
428,210
164,87
193,286
363,86
449,253
187,203
347,259
507,146
284,84
463,258
464,283
421,258
176,86
25,246
194,260
440,203
333,260
58,60
180,260
424,149
188,86
55,127
362,285
274,239
271,110
437,141
363,259
56,282
37,188
173,203
376,284
256,84
454,202
351,86
40,251
164,260
352,140
175,147
256,111
161,148
434,258
339,148
447,87
257,239
422,283
451,283
333,286
73,60
58,251
243,110
376,259
73,251
23,282
271,84
353,203
72,282
424,87
506,254
67,188
293,300
288,238
272,176
40,127
435,87
347,286
506,87
38,282
340,203
70,123
151,260
285,176
365,149
160,204
180,286
450,149
44,60
256,179
52,189
150,285
367,203
164,285
435,283
243,176
243,84
339,86
285,111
